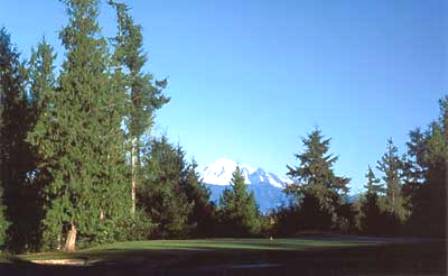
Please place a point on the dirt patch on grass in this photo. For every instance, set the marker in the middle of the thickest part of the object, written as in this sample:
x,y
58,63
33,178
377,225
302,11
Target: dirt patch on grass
x,y
67,262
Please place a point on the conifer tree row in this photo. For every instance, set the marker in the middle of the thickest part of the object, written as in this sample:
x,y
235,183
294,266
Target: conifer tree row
x,y
71,145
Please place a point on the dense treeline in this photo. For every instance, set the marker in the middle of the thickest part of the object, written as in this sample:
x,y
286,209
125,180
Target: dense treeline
x,y
79,165
409,196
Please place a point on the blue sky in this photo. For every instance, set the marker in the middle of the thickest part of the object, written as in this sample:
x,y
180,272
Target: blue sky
x,y
249,78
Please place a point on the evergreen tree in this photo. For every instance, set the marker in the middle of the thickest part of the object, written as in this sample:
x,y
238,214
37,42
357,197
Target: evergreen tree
x,y
391,166
161,194
144,94
202,216
41,80
430,199
414,167
372,219
316,187
373,185
15,153
239,211
41,76
79,140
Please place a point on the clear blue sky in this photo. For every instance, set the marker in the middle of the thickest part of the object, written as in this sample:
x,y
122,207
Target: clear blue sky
x,y
249,78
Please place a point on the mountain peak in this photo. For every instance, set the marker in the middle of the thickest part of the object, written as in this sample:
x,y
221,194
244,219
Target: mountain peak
x,y
267,187
220,173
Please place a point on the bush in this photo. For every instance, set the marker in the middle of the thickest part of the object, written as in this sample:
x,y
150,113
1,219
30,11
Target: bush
x,y
137,227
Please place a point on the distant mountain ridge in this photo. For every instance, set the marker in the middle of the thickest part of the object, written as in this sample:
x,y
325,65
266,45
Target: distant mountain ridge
x,y
267,187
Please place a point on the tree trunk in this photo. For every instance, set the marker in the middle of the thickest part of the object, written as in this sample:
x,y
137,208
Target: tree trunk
x,y
59,244
393,201
70,242
134,165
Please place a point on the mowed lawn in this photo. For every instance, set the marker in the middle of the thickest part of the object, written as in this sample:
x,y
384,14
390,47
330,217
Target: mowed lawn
x,y
128,251
307,256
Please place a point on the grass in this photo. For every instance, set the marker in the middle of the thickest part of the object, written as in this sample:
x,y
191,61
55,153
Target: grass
x,y
314,256
186,247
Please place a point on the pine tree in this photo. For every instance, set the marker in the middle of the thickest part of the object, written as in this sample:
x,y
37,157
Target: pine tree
x,y
144,94
41,80
161,194
391,166
373,185
238,207
79,139
430,200
414,167
202,216
414,164
41,75
316,166
316,187
372,219
15,153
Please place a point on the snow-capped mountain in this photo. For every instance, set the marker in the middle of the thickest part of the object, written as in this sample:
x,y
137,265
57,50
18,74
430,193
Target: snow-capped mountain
x,y
267,187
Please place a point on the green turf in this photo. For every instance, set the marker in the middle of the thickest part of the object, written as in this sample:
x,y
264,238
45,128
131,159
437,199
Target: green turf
x,y
185,247
238,244
311,256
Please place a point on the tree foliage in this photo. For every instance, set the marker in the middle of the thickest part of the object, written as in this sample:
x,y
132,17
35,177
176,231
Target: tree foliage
x,y
73,144
16,156
373,218
203,215
392,168
143,95
161,193
429,200
317,189
238,209
78,136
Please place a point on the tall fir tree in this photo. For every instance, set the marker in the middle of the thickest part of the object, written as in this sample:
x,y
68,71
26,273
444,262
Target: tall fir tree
x,y
79,139
317,189
391,166
15,153
316,166
238,208
144,94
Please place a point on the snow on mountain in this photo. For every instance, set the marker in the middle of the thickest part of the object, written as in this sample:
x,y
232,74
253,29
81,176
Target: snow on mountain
x,y
220,173
267,187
